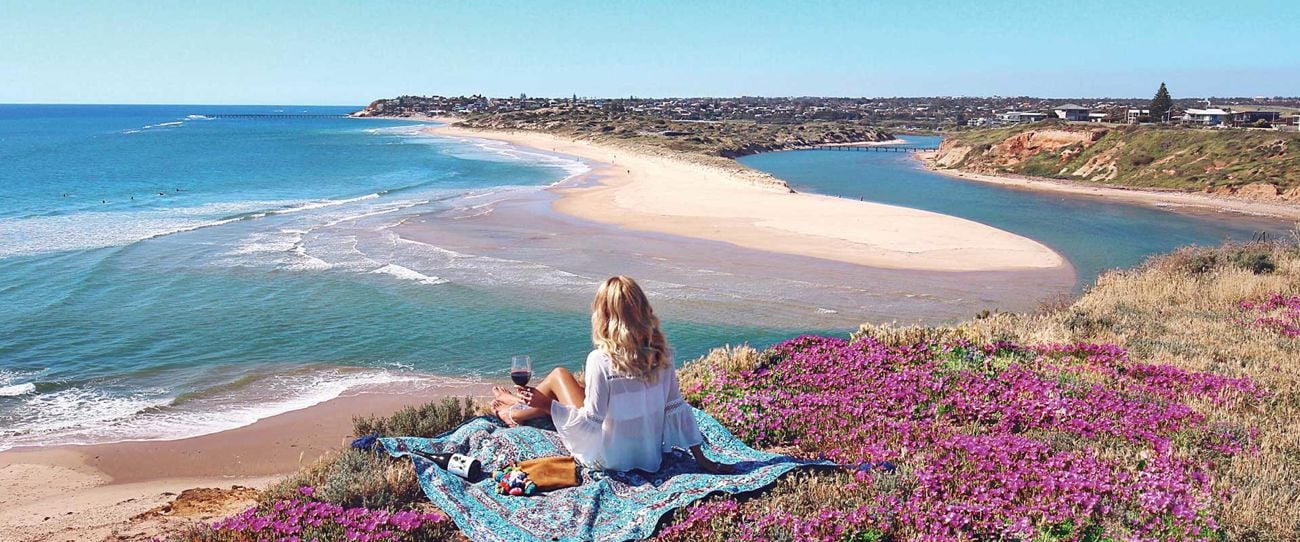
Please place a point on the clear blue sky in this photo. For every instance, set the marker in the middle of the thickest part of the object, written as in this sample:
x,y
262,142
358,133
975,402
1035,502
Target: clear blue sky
x,y
337,52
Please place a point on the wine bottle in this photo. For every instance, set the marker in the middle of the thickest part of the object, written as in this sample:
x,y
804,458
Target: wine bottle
x,y
461,465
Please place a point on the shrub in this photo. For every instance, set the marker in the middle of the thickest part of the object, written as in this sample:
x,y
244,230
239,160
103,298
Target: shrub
x,y
1257,261
1140,160
427,420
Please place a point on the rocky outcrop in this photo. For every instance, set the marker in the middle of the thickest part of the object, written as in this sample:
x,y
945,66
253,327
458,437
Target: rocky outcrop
x,y
1022,146
1100,167
950,154
1016,148
1260,190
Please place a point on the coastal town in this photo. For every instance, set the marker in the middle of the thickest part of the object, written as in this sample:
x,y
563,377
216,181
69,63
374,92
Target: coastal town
x,y
898,114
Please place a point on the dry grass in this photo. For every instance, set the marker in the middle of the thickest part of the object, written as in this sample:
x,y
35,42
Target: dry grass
x,y
1182,310
728,359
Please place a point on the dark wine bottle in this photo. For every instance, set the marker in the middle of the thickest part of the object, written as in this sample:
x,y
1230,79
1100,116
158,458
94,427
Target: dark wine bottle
x,y
461,465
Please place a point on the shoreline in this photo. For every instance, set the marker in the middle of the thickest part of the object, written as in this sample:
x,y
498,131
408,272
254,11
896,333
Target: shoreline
x,y
720,200
136,489
1169,200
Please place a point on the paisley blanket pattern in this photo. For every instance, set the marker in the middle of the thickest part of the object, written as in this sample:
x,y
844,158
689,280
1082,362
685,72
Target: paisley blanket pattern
x,y
604,506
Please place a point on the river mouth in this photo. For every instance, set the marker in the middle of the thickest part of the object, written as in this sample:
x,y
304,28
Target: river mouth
x,y
1093,234
715,282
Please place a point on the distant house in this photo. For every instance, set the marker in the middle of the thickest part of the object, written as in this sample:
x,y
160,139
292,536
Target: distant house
x,y
1206,117
1248,116
1017,117
1098,116
1135,116
1072,112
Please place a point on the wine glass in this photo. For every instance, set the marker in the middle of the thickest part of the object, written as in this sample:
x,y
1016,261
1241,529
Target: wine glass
x,y
521,370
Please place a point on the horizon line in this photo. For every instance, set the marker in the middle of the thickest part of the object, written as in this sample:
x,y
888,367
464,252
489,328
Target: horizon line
x,y
509,97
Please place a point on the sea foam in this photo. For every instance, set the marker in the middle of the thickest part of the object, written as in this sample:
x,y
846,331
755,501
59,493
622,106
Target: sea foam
x,y
408,274
17,389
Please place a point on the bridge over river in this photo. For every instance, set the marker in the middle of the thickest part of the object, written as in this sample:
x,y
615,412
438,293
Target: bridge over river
x,y
873,148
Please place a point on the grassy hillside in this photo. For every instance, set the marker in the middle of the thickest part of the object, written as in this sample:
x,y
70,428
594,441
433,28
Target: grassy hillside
x,y
1253,163
728,139
1164,404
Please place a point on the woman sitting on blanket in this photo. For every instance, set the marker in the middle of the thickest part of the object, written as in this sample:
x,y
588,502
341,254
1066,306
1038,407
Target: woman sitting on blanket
x,y
630,410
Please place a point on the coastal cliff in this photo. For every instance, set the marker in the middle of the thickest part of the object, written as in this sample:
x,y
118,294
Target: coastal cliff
x,y
1261,165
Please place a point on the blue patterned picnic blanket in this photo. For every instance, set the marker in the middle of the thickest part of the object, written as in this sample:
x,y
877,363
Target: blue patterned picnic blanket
x,y
612,506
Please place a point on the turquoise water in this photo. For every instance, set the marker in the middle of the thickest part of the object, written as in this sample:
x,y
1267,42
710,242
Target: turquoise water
x,y
1094,235
166,274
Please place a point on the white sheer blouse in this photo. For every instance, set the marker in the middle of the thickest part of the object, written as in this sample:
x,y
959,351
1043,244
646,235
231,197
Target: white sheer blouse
x,y
625,423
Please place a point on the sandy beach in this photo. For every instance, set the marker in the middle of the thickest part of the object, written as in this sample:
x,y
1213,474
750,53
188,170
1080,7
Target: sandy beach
x,y
136,490
723,201
1157,198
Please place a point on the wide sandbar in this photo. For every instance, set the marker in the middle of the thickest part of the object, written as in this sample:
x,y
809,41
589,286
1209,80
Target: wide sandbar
x,y
679,195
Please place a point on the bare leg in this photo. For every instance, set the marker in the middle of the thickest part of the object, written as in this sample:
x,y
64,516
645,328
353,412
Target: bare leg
x,y
561,386
505,412
519,413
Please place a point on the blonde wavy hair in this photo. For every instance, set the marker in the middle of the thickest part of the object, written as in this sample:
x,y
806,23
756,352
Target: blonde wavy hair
x,y
624,326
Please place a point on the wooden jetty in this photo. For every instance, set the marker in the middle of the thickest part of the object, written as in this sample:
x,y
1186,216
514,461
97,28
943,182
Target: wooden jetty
x,y
874,148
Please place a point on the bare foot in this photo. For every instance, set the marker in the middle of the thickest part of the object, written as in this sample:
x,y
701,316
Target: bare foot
x,y
505,396
502,410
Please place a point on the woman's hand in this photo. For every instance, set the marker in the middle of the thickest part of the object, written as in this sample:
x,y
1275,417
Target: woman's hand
x,y
713,467
710,466
533,398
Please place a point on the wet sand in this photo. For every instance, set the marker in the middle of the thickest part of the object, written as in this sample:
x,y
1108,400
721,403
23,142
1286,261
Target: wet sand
x,y
711,281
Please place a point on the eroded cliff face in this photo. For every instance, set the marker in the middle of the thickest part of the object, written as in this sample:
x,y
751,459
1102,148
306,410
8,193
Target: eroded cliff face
x,y
950,154
1016,149
1020,147
1250,164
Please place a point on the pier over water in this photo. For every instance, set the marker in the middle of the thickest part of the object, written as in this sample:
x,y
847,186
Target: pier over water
x,y
875,148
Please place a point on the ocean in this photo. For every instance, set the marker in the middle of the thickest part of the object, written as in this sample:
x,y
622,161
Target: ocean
x,y
167,272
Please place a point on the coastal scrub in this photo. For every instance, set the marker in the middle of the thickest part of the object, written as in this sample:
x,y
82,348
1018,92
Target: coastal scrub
x,y
1160,406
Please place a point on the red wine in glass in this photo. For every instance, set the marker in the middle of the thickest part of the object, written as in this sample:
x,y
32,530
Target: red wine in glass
x,y
521,370
521,378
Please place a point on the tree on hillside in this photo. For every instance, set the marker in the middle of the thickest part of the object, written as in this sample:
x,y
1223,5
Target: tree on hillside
x,y
1162,104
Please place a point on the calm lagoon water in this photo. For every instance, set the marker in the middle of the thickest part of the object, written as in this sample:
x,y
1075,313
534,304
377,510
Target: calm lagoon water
x,y
1094,235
